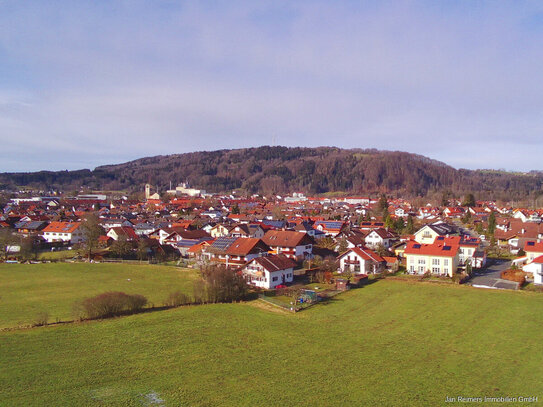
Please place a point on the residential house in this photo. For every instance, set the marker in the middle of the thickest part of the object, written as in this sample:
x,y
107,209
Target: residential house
x,y
69,232
269,271
469,249
380,237
428,233
533,250
361,260
330,228
536,268
436,258
219,230
235,251
128,233
295,245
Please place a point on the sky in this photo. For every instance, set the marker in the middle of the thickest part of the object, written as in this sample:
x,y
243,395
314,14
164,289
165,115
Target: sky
x,y
88,83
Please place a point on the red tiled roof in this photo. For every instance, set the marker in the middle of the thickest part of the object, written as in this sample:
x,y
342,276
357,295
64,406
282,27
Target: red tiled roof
x,y
286,238
243,246
275,263
366,254
531,246
434,249
62,227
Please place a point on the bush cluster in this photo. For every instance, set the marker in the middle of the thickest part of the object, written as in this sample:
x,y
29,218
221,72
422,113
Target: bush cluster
x,y
220,284
460,278
177,299
514,275
110,304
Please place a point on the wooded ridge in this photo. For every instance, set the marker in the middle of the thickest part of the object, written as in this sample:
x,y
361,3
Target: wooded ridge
x,y
280,170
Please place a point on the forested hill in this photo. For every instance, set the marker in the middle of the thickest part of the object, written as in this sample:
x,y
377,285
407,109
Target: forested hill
x,y
282,169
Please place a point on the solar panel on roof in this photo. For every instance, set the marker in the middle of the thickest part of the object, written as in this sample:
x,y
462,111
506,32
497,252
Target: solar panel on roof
x,y
223,242
416,246
446,247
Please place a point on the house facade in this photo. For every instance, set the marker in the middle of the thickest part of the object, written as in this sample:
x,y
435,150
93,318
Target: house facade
x,y
436,258
360,260
295,245
269,271
69,232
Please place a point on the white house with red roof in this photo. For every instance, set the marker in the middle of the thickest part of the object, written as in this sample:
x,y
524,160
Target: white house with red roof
x,y
469,249
125,232
361,260
296,245
533,250
438,258
63,232
536,268
269,271
380,237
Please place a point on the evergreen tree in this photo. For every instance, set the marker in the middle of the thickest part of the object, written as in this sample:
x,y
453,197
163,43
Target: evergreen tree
x,y
410,227
491,223
399,225
469,200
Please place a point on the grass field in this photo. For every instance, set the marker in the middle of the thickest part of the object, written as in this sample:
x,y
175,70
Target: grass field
x,y
58,255
27,289
390,343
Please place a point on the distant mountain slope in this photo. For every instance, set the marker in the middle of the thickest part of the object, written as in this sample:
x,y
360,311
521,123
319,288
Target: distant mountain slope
x,y
282,169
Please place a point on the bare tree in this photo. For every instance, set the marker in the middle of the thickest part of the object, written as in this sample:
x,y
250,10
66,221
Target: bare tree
x,y
92,230
7,240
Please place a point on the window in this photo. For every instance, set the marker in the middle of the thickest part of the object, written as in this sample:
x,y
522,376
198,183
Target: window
x,y
435,262
411,269
422,261
421,270
435,270
275,278
411,260
427,234
446,262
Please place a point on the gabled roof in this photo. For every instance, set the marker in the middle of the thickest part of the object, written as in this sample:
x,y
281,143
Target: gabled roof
x,y
125,231
62,227
365,253
532,246
243,246
382,233
286,238
275,262
434,249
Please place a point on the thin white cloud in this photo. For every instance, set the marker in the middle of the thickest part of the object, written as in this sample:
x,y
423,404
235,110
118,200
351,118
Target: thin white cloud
x,y
100,83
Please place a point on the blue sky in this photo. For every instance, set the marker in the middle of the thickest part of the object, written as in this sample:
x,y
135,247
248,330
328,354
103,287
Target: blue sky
x,y
89,83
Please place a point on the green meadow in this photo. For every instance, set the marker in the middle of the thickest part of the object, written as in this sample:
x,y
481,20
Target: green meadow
x,y
390,343
28,289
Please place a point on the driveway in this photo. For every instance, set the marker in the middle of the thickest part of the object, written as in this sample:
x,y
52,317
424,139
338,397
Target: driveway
x,y
489,277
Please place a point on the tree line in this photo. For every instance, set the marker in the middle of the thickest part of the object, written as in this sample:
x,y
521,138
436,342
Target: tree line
x,y
272,170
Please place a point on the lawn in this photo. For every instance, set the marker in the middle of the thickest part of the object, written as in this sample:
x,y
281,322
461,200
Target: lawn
x,y
390,343
57,255
28,289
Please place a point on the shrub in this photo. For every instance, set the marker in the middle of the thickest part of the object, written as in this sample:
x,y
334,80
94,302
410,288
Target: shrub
x,y
199,292
426,275
223,284
41,319
514,275
176,299
460,278
110,304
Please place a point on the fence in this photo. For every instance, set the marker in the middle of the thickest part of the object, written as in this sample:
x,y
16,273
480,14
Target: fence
x,y
278,303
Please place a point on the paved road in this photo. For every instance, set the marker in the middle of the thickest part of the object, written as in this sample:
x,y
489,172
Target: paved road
x,y
489,277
